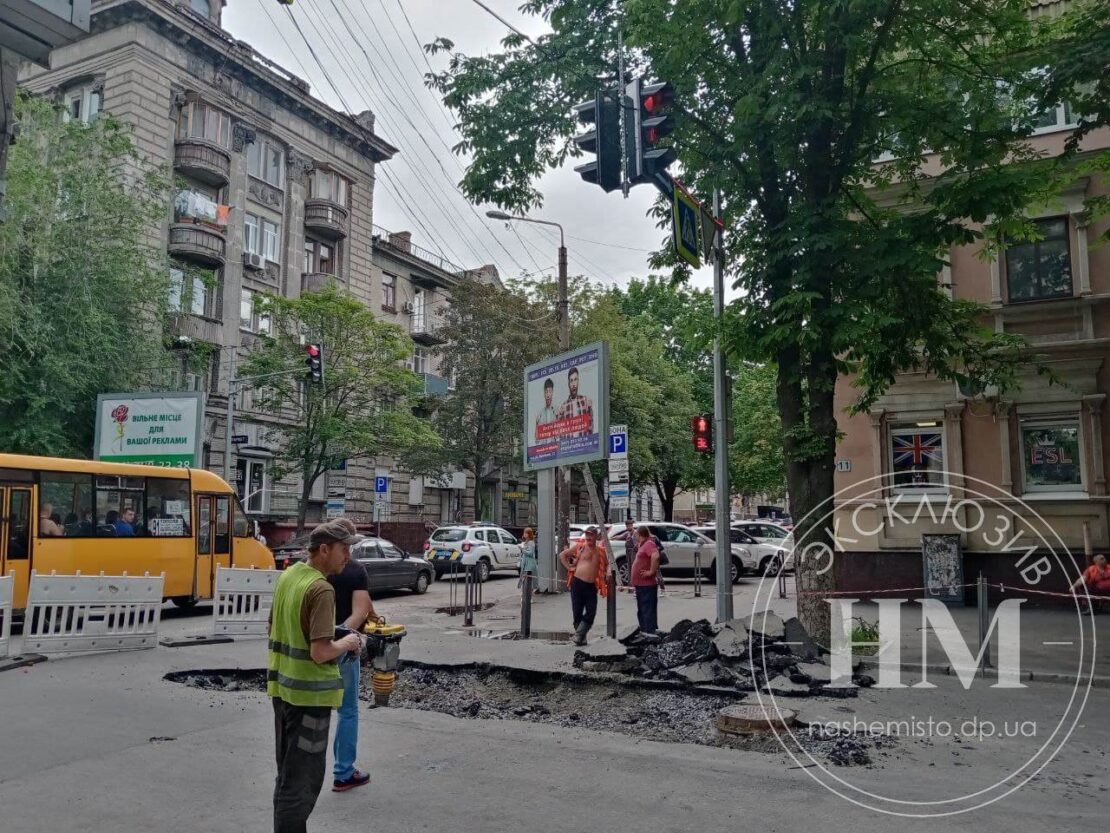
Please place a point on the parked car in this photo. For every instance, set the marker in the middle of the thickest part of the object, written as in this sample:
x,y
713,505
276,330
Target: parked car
x,y
768,532
391,568
485,546
288,553
761,558
682,545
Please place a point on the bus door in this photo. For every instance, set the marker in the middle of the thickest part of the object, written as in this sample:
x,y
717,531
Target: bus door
x,y
16,539
213,544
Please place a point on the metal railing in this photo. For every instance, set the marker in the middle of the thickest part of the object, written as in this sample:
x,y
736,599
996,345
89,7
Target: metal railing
x,y
439,261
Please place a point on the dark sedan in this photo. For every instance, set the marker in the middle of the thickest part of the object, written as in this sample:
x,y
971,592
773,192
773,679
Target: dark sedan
x,y
390,568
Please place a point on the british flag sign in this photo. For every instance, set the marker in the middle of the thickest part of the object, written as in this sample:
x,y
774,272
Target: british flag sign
x,y
918,450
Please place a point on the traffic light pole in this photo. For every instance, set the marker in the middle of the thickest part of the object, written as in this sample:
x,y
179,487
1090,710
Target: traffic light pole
x,y
562,473
720,426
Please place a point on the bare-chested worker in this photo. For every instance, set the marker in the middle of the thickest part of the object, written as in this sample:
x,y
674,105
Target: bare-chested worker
x,y
583,558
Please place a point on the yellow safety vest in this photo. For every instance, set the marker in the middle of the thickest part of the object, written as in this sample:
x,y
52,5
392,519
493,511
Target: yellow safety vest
x,y
293,675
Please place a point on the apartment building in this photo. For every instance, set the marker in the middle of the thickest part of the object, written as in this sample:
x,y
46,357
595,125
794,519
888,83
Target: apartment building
x,y
1043,446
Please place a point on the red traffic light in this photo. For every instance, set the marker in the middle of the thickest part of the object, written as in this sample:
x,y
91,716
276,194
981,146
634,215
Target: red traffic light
x,y
312,350
702,426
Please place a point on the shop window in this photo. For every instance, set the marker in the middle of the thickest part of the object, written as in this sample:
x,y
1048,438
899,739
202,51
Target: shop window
x,y
1051,455
917,458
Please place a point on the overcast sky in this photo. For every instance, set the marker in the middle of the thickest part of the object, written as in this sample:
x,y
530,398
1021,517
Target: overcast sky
x,y
381,69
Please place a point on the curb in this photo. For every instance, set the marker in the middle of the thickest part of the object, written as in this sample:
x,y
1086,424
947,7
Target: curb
x,y
1097,680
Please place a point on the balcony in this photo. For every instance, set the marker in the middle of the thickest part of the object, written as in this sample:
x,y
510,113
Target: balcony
x,y
198,243
196,328
315,281
202,161
435,385
424,329
326,218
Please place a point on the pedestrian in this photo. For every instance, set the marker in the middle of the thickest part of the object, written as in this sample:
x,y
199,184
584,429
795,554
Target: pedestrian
x,y
630,545
585,563
353,608
48,527
644,570
303,680
1097,580
529,565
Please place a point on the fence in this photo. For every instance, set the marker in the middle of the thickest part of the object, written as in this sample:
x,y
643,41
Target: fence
x,y
242,601
7,588
83,614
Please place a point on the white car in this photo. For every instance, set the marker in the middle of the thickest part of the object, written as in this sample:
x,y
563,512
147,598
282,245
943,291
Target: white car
x,y
767,532
684,548
762,558
484,546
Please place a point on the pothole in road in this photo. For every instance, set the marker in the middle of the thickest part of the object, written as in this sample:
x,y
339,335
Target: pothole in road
x,y
667,715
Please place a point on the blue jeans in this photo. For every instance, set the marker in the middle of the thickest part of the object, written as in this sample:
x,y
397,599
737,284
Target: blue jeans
x,y
647,608
345,744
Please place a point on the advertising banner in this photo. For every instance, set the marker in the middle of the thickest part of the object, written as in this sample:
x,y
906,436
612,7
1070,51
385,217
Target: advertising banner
x,y
566,408
156,429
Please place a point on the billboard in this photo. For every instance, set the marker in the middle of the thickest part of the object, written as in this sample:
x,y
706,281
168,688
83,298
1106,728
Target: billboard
x,y
566,408
156,429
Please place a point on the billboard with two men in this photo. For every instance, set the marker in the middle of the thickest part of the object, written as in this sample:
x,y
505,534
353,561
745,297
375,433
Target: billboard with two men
x,y
566,408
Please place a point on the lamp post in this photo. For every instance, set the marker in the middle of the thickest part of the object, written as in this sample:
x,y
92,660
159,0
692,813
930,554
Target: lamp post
x,y
546,478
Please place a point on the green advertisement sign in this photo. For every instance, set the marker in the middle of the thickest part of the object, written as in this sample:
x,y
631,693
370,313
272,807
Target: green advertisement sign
x,y
155,429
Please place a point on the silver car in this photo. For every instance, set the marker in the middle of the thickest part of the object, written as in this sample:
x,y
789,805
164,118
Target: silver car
x,y
686,550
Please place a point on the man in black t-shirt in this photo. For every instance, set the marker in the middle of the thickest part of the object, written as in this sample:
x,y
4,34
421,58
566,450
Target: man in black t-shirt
x,y
352,610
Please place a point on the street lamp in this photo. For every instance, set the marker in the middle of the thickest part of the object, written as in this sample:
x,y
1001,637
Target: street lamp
x,y
562,307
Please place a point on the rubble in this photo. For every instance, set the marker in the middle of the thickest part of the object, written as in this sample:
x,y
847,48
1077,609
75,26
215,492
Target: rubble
x,y
756,652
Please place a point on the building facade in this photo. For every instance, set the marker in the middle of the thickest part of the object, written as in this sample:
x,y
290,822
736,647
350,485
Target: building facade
x,y
1040,449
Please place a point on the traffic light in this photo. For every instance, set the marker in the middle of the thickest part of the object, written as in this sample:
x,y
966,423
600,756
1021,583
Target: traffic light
x,y
314,361
604,140
702,426
648,122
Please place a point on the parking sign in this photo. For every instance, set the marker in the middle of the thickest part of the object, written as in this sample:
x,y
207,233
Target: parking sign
x,y
381,485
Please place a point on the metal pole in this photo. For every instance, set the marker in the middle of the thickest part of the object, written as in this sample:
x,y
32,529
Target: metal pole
x,y
720,431
229,424
468,610
563,473
526,606
697,574
984,622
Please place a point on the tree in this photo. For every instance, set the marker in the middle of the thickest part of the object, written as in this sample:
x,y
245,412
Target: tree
x,y
83,292
491,336
755,456
785,107
364,406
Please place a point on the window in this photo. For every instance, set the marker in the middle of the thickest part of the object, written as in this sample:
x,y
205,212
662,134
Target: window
x,y
1050,455
917,458
390,551
320,257
191,291
327,185
1039,269
389,291
270,241
118,508
260,237
68,499
266,161
507,538
252,315
1059,117
167,508
419,306
203,121
240,528
200,7
82,104
252,235
419,360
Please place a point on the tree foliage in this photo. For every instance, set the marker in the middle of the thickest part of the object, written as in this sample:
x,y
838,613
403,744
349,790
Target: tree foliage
x,y
83,292
785,107
363,408
491,336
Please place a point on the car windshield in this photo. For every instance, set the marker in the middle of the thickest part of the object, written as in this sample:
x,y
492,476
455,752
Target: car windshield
x,y
709,533
449,535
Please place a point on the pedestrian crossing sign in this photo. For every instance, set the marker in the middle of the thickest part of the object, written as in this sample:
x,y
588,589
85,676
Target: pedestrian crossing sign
x,y
686,223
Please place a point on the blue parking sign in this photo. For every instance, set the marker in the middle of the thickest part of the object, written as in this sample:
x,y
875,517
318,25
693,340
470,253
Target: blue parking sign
x,y
381,485
618,444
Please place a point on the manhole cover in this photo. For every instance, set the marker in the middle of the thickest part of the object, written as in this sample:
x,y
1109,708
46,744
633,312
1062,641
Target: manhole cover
x,y
743,719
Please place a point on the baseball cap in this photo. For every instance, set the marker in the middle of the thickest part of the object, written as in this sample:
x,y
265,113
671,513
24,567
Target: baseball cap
x,y
590,530
340,531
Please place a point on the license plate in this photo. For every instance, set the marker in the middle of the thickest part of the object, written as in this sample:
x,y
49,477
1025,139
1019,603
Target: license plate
x,y
443,553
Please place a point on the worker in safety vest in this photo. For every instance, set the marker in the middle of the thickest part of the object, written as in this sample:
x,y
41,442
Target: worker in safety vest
x,y
303,679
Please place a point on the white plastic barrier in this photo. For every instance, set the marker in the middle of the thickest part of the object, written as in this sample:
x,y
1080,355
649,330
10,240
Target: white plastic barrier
x,y
82,614
7,588
242,601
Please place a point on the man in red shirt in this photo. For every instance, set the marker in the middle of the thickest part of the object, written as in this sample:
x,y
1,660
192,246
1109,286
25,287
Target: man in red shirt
x,y
644,570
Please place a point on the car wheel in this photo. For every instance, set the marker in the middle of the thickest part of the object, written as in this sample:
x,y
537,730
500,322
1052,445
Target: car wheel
x,y
185,602
422,582
624,570
770,566
735,570
483,570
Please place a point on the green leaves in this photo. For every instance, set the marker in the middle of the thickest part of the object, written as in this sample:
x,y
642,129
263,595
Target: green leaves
x,y
83,290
